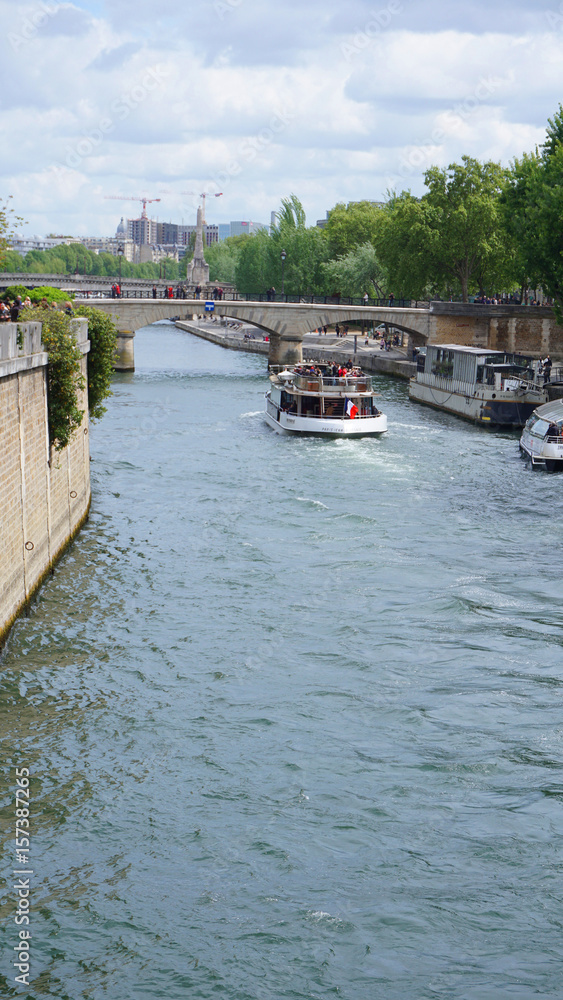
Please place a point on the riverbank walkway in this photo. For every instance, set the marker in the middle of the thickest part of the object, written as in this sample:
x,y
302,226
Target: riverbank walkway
x,y
316,347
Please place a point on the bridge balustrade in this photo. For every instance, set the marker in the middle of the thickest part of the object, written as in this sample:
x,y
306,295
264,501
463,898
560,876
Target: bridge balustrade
x,y
324,300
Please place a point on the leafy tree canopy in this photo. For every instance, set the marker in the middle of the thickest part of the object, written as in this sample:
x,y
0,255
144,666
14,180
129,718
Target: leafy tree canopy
x,y
355,273
260,263
350,226
453,238
8,221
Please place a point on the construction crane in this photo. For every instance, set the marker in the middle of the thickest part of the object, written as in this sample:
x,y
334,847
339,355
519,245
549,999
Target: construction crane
x,y
203,195
125,197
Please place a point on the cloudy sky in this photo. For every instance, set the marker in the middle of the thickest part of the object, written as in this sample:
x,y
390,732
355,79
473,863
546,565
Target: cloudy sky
x,y
259,99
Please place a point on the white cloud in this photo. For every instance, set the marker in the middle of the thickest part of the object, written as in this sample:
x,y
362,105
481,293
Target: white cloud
x,y
326,101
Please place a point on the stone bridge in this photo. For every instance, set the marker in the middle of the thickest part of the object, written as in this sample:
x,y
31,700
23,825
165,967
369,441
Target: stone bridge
x,y
527,329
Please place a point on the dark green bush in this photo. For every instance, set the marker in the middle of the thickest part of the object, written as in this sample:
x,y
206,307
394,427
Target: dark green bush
x,y
102,334
36,294
64,378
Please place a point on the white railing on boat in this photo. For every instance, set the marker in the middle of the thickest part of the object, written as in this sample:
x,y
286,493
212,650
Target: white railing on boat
x,y
318,383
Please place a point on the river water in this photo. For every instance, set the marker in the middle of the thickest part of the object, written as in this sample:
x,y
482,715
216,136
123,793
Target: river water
x,y
292,708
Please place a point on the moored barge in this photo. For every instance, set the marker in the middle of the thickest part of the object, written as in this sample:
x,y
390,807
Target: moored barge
x,y
491,388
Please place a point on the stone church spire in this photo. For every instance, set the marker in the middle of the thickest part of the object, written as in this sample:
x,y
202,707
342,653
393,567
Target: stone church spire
x,y
198,268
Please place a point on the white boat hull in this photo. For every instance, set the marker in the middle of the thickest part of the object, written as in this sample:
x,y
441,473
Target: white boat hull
x,y
288,423
548,454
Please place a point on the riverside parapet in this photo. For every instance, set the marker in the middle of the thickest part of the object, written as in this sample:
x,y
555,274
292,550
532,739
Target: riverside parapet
x,y
46,493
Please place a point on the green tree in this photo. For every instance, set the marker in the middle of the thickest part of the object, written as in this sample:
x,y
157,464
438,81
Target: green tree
x,y
223,258
306,251
8,221
253,272
12,261
355,273
402,245
554,134
533,204
453,238
350,226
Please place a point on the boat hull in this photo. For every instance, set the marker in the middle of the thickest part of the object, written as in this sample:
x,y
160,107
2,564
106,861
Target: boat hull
x,y
481,408
546,454
327,427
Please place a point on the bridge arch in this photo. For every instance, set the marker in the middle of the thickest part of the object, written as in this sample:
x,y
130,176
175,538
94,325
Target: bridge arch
x,y
285,323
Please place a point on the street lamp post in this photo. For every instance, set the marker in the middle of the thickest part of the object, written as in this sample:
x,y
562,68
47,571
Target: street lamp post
x,y
120,255
283,255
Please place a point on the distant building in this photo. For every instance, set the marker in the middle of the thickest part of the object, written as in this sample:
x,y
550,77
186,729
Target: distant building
x,y
172,233
142,230
246,228
167,232
23,244
224,230
110,244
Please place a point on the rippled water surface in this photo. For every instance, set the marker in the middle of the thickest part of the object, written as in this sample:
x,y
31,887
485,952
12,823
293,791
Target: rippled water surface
x,y
292,708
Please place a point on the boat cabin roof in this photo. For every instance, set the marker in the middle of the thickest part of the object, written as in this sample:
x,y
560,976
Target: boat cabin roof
x,y
551,411
465,350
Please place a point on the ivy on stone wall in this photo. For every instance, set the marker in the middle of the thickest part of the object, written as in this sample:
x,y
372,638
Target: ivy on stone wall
x,y
102,334
64,378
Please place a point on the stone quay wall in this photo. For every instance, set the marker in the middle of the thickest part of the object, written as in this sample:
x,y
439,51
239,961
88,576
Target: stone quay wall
x,y
44,494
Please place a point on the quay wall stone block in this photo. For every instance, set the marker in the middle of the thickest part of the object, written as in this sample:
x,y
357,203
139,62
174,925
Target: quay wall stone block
x,y
44,495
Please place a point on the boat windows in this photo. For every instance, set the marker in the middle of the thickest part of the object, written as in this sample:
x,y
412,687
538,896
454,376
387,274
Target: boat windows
x,y
334,407
540,428
310,406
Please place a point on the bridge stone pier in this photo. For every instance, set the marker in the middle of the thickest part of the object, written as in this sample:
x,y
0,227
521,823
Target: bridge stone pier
x,y
526,329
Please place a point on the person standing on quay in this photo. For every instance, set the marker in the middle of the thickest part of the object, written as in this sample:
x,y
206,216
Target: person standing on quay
x,y
15,309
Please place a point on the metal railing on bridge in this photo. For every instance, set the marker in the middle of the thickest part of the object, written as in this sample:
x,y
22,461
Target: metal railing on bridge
x,y
326,300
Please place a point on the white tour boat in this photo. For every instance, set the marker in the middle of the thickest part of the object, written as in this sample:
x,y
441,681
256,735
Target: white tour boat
x,y
542,437
315,399
487,387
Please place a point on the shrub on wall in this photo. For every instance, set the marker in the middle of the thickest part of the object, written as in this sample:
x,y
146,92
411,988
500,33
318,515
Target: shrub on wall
x,y
36,294
102,334
64,378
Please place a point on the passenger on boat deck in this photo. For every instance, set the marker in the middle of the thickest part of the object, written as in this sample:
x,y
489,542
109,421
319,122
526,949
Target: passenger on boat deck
x,y
552,431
